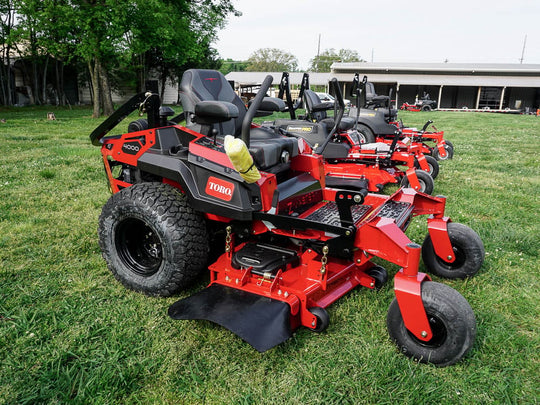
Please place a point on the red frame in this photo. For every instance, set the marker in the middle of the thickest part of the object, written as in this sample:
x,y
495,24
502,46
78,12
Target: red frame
x,y
305,285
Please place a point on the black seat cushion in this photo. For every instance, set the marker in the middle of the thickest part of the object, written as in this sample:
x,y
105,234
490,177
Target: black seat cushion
x,y
345,124
267,147
201,85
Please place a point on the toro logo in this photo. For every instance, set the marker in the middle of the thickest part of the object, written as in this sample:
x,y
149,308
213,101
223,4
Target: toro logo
x,y
219,188
211,78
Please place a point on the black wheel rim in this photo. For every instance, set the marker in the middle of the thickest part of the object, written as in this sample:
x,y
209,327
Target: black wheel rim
x,y
457,263
438,328
139,247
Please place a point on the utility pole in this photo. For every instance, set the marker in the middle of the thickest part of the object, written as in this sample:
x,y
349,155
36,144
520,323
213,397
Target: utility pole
x,y
318,53
523,50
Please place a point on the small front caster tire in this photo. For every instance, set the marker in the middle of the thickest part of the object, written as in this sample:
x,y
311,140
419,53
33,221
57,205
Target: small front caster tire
x,y
380,276
468,250
452,322
425,180
323,320
449,152
432,164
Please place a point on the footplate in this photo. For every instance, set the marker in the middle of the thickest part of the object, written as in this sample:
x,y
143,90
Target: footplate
x,y
397,210
260,321
328,214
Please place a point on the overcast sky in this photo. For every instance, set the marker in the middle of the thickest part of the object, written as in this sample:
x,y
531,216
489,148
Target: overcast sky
x,y
460,31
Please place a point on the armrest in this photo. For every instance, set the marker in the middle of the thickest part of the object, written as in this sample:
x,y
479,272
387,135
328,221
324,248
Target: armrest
x,y
212,112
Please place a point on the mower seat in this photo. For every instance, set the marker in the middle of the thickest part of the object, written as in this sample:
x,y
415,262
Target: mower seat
x,y
202,86
317,111
269,149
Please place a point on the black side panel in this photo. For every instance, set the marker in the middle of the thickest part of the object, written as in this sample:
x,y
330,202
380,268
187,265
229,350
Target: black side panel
x,y
260,321
376,122
345,183
170,137
244,199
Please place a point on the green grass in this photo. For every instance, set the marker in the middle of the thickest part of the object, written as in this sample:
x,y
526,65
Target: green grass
x,y
69,333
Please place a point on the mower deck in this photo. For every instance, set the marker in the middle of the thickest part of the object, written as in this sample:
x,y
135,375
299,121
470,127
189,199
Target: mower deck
x,y
263,292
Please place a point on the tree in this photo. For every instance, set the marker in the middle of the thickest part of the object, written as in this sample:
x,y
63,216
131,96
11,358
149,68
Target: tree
x,y
7,25
114,39
162,37
323,62
271,60
177,37
230,65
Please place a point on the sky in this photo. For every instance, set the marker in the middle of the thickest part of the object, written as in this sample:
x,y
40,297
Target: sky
x,y
457,31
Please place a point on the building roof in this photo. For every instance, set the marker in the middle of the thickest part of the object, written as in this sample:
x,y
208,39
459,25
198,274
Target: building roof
x,y
426,74
446,80
446,74
445,68
295,78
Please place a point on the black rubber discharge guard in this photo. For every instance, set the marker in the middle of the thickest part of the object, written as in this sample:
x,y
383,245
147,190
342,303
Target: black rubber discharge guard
x,y
260,321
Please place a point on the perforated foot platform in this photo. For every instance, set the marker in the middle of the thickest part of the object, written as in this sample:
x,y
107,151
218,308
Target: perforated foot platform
x,y
328,214
397,210
260,321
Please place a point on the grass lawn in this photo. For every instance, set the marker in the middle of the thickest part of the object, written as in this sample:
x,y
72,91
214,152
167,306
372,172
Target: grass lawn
x,y
69,333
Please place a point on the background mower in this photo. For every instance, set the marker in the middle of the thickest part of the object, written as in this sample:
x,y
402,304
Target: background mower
x,y
292,245
349,163
377,121
423,104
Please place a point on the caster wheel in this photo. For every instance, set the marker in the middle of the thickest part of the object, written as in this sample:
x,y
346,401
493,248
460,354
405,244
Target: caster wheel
x,y
323,320
468,249
380,275
451,320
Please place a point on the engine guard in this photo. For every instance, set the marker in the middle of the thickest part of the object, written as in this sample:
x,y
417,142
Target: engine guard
x,y
260,321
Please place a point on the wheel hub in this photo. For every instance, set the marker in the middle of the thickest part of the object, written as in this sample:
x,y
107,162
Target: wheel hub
x,y
139,247
438,328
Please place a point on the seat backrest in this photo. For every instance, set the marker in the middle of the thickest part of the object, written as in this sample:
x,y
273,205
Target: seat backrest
x,y
311,99
210,85
370,91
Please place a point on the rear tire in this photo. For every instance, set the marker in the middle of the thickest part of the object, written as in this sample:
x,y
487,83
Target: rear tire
x,y
365,134
152,240
468,250
452,322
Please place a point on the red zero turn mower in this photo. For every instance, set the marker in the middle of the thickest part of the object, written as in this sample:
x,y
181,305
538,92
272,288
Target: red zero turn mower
x,y
377,120
349,163
292,246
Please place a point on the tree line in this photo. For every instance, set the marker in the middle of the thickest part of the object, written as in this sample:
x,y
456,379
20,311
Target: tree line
x,y
106,42
278,60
